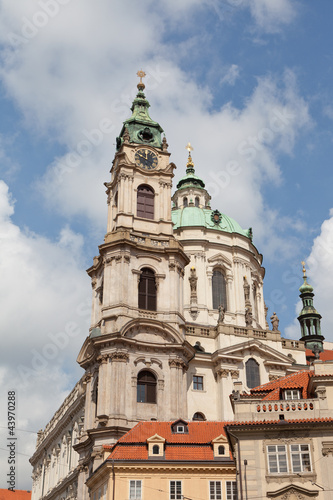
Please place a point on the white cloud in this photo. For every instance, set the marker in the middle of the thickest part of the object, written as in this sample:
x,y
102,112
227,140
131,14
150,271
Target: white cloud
x,y
45,299
271,15
231,75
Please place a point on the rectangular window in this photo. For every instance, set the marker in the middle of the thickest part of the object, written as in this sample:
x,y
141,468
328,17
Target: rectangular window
x,y
215,491
300,457
135,490
277,459
197,383
231,490
175,490
292,394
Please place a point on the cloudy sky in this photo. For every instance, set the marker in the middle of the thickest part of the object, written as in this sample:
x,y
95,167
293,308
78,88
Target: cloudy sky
x,y
248,82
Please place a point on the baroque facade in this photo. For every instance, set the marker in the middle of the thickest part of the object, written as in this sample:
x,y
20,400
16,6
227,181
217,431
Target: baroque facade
x,y
178,315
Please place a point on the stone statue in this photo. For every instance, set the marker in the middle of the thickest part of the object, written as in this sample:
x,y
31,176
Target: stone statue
x,y
248,316
275,322
221,313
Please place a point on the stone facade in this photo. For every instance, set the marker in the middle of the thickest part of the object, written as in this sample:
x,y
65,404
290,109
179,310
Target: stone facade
x,y
196,352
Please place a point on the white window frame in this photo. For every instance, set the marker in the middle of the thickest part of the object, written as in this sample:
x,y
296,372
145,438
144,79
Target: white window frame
x,y
280,450
232,494
176,495
137,489
303,455
180,429
290,394
215,490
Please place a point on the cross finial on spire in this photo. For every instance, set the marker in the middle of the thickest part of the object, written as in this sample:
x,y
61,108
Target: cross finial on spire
x,y
141,74
189,148
304,270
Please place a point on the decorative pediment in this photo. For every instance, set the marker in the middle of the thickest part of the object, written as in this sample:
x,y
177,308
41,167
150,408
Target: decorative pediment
x,y
86,353
221,260
156,439
292,492
220,439
254,347
151,332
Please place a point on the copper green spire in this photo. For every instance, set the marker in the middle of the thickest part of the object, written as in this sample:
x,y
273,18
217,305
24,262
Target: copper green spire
x,y
309,317
140,128
190,179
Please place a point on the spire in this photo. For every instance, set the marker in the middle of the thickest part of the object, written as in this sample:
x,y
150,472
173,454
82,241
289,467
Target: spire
x,y
309,317
190,179
140,127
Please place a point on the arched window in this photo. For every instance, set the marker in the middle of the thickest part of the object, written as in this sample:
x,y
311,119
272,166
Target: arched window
x,y
199,417
221,450
147,290
185,202
252,373
146,387
156,449
219,289
196,201
116,199
145,202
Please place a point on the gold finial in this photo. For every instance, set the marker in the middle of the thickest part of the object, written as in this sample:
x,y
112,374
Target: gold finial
x,y
141,74
304,270
189,148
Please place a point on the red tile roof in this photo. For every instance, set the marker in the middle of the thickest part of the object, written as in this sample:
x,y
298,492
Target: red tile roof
x,y
194,445
198,432
15,495
328,420
326,355
271,390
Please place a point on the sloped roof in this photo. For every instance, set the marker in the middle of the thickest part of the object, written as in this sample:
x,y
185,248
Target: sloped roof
x,y
325,355
195,445
15,495
271,390
328,420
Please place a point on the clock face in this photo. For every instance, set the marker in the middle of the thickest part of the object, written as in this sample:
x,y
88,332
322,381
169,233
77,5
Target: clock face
x,y
145,158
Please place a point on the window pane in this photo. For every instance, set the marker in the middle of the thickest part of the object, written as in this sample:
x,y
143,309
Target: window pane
x,y
175,490
219,290
231,488
252,373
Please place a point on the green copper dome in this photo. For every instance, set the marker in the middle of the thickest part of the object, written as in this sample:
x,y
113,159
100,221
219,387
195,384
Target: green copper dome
x,y
204,217
190,179
305,287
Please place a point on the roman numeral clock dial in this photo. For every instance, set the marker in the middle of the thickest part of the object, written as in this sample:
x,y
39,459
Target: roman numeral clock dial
x,y
146,159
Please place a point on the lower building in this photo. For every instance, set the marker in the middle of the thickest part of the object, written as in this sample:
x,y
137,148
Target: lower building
x,y
282,437
167,461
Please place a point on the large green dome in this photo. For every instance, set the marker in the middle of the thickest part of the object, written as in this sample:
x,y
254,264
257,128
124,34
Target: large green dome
x,y
204,217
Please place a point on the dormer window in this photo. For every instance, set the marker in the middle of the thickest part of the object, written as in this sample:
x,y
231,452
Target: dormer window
x,y
292,394
221,450
179,427
156,449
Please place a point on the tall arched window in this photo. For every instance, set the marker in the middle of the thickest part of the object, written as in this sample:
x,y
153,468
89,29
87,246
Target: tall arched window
x,y
185,202
196,201
252,373
145,202
94,394
147,290
219,289
146,387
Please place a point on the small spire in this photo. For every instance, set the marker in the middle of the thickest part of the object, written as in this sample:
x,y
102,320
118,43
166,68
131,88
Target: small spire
x,y
141,74
190,164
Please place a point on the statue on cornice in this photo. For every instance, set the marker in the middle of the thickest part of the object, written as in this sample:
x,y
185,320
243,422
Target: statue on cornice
x,y
275,322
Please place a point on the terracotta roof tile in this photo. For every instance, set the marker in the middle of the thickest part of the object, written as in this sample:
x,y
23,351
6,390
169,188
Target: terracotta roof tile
x,y
198,432
16,495
298,380
282,422
326,355
194,445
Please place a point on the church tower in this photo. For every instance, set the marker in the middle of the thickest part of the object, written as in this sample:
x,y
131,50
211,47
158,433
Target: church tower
x,y
309,319
136,355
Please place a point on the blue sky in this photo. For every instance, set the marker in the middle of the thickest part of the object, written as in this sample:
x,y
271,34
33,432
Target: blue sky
x,y
247,82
